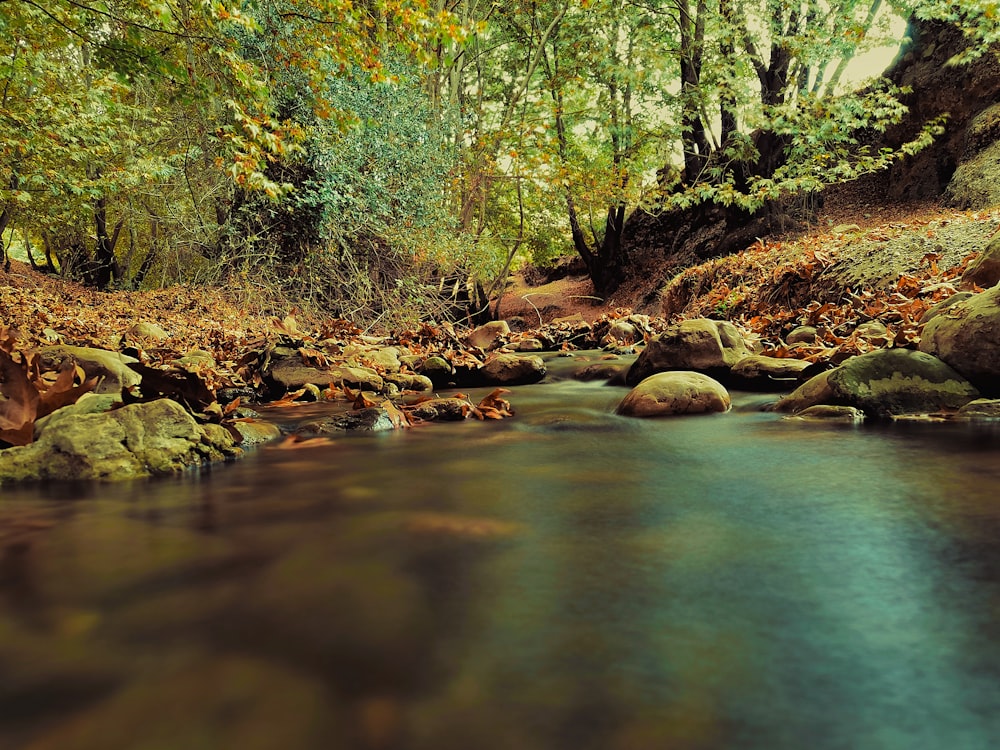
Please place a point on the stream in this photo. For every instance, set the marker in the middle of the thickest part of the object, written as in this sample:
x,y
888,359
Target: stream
x,y
563,580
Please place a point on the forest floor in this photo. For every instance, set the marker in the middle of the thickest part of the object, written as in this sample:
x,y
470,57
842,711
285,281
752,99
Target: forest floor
x,y
855,245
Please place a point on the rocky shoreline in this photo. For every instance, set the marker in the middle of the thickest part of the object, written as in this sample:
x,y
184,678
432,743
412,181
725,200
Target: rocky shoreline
x,y
930,351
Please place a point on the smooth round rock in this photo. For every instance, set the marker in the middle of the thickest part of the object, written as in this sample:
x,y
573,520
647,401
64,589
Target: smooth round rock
x,y
678,392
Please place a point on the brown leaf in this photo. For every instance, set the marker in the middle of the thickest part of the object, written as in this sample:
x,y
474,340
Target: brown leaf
x,y
64,391
294,442
19,405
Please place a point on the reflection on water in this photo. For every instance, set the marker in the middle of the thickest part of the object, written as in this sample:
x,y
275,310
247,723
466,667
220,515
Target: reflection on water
x,y
566,579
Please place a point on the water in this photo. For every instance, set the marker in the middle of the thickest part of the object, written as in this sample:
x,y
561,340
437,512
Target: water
x,y
565,579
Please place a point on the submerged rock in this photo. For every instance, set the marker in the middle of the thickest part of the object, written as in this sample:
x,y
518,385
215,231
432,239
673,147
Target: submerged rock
x,y
371,419
136,441
828,413
678,392
702,345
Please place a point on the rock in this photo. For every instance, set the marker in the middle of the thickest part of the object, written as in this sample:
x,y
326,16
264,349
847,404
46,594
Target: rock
x,y
442,410
512,369
371,419
980,409
195,359
984,271
488,334
885,383
257,431
943,305
139,440
144,330
409,381
291,373
872,330
530,345
601,371
828,413
88,403
816,390
801,335
976,182
438,370
622,330
110,368
968,339
385,358
676,392
760,373
712,346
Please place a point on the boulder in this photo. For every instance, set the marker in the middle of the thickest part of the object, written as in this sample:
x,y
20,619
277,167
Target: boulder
x,y
675,392
512,369
760,373
967,338
712,346
885,383
488,334
975,183
984,271
110,368
136,441
943,305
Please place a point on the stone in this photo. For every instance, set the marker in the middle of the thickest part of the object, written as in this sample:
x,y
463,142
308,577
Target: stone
x,y
442,410
967,337
385,359
512,369
622,330
704,345
136,441
829,413
601,371
291,373
530,345
438,370
256,431
984,271
195,359
816,390
675,392
944,305
488,335
88,403
980,409
886,383
872,330
110,368
408,381
145,330
370,419
761,373
801,335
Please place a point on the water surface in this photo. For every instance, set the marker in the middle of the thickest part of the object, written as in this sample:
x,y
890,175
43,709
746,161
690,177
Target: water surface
x,y
564,579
